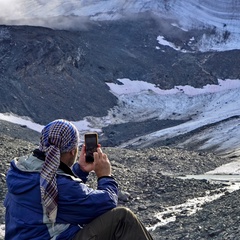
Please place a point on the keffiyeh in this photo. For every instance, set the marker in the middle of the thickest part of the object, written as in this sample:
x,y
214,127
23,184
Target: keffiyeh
x,y
57,137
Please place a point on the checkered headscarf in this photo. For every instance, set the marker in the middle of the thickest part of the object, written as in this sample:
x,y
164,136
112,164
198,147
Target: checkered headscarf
x,y
57,137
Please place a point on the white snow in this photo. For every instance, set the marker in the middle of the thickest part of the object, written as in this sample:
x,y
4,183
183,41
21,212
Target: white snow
x,y
222,17
139,101
25,121
207,105
162,41
231,169
2,231
207,43
190,207
83,125
137,86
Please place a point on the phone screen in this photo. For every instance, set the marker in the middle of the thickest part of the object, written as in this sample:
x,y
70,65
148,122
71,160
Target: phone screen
x,y
91,144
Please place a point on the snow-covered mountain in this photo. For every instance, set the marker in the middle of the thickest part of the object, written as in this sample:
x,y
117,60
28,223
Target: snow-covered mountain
x,y
189,12
212,115
217,26
220,18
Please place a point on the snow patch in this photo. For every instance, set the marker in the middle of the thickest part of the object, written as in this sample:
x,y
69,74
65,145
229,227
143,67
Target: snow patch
x,y
2,231
139,101
25,121
162,41
220,18
188,208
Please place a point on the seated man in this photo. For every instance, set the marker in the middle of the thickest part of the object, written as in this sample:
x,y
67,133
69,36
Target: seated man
x,y
47,197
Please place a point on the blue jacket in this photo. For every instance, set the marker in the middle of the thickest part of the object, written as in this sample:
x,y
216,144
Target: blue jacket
x,y
77,203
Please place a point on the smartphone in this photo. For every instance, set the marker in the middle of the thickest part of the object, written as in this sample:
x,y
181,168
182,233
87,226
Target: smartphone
x,y
91,144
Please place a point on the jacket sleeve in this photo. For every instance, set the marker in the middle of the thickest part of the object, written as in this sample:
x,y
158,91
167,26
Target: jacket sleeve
x,y
79,173
79,204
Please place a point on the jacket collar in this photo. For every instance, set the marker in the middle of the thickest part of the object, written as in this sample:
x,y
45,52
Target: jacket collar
x,y
41,155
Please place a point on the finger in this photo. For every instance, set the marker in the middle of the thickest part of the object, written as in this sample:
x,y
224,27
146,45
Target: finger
x,y
96,157
82,152
105,157
99,150
100,153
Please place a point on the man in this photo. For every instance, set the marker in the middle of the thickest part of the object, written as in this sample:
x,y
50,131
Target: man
x,y
47,197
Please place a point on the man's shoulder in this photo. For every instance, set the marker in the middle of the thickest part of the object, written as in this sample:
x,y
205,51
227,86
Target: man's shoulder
x,y
28,163
67,177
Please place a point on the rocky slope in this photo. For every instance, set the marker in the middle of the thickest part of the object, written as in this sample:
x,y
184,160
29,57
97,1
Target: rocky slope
x,y
149,183
66,71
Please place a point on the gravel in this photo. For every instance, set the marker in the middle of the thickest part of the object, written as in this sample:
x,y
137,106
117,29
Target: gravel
x,y
149,183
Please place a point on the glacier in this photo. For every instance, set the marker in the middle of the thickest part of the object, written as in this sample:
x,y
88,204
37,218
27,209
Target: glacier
x,y
219,18
216,105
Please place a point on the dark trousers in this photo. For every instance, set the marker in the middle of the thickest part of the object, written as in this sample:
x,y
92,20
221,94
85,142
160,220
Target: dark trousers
x,y
118,224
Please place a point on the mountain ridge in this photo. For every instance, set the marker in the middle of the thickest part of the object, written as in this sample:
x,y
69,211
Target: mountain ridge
x,y
75,63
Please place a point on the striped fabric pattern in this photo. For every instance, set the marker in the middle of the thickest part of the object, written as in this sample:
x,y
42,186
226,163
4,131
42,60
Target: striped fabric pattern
x,y
57,137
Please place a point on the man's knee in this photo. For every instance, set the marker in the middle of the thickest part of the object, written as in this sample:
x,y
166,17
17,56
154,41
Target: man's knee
x,y
123,213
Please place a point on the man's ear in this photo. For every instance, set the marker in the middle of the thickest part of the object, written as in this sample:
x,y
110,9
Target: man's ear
x,y
73,151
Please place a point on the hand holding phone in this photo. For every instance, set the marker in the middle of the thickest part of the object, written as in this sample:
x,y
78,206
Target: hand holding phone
x,y
91,145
